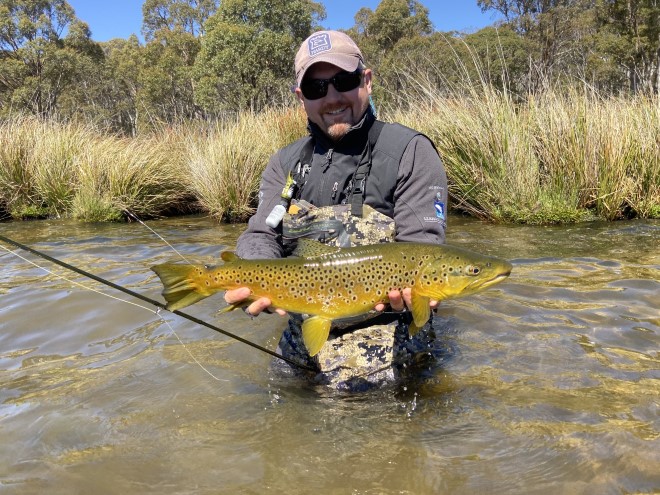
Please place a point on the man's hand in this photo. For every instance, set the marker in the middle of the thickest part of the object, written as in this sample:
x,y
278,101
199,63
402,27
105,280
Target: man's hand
x,y
242,293
399,301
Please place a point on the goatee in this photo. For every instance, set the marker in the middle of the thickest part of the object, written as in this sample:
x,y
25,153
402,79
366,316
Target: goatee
x,y
338,131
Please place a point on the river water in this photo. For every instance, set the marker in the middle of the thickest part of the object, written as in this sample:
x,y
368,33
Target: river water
x,y
549,383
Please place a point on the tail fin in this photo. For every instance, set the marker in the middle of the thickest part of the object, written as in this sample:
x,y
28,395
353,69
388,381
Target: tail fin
x,y
180,290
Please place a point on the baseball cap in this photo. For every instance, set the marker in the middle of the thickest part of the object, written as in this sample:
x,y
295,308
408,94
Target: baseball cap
x,y
333,47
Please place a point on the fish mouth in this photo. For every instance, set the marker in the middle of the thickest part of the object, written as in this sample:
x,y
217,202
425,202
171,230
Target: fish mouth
x,y
484,283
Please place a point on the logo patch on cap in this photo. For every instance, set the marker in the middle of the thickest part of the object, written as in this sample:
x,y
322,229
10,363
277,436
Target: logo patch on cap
x,y
319,43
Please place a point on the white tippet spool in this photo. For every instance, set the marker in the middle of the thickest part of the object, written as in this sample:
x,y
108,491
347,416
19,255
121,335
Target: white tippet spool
x,y
276,215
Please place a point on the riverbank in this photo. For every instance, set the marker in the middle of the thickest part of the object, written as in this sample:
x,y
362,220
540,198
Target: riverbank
x,y
550,159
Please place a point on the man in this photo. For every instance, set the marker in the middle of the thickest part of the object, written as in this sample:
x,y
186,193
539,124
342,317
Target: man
x,y
350,160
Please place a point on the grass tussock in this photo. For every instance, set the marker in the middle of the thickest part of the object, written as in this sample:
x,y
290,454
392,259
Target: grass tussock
x,y
53,170
224,164
550,159
38,167
142,176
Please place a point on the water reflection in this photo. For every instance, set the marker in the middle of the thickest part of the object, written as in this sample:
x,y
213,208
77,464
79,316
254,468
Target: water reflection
x,y
548,383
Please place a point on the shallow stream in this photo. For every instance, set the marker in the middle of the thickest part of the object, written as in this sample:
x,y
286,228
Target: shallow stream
x,y
549,385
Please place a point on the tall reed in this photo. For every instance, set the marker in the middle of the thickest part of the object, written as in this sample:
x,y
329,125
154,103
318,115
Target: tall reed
x,y
38,166
552,158
549,158
225,163
67,170
142,176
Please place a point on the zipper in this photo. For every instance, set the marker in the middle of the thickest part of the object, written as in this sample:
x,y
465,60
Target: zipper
x,y
328,162
328,159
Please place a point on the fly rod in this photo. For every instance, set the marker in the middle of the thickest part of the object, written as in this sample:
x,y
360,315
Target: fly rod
x,y
153,302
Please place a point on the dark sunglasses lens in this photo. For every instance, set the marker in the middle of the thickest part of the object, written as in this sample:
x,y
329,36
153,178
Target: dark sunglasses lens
x,y
313,89
347,81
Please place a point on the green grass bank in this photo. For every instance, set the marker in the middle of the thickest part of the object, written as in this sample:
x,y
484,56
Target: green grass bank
x,y
550,159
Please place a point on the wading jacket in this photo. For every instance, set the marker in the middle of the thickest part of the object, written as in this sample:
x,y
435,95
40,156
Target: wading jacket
x,y
406,182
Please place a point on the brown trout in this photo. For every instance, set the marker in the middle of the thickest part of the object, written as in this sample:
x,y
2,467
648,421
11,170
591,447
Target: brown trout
x,y
329,283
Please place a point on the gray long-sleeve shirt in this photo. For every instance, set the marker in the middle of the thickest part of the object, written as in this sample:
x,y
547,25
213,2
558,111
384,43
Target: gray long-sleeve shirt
x,y
417,202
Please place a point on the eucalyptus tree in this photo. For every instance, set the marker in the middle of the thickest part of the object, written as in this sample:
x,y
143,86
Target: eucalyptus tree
x,y
391,37
165,77
125,61
378,31
246,57
557,29
612,44
43,47
172,30
186,16
630,39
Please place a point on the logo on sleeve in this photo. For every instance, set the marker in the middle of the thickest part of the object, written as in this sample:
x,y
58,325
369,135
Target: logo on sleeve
x,y
439,207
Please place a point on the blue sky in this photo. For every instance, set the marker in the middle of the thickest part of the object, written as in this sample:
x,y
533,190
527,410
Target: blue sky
x,y
121,18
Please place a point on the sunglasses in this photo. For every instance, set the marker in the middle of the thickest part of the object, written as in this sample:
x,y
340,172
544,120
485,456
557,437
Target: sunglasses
x,y
313,89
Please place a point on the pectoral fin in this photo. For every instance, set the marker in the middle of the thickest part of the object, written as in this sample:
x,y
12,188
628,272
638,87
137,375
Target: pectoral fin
x,y
315,331
421,313
232,307
229,256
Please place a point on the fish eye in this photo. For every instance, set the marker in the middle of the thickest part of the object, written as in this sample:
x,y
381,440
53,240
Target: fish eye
x,y
472,270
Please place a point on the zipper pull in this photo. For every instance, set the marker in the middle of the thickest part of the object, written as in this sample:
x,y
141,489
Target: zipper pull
x,y
335,188
328,159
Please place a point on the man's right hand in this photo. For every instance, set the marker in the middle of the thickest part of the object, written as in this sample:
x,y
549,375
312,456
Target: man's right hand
x,y
235,296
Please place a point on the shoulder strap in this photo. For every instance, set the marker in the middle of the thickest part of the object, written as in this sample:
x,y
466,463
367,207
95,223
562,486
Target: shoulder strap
x,y
363,169
304,164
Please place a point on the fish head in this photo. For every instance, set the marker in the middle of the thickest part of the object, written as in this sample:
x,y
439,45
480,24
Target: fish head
x,y
457,272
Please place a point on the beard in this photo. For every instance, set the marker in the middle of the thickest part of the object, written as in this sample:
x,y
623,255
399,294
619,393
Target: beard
x,y
338,130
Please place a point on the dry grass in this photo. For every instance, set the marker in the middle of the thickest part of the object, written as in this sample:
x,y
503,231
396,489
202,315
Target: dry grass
x,y
53,170
553,158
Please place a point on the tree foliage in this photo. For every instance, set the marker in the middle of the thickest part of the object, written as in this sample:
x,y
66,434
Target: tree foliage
x,y
246,60
38,65
204,58
604,42
186,16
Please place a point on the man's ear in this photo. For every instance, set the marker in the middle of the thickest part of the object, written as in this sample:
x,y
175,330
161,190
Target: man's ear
x,y
300,96
367,79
